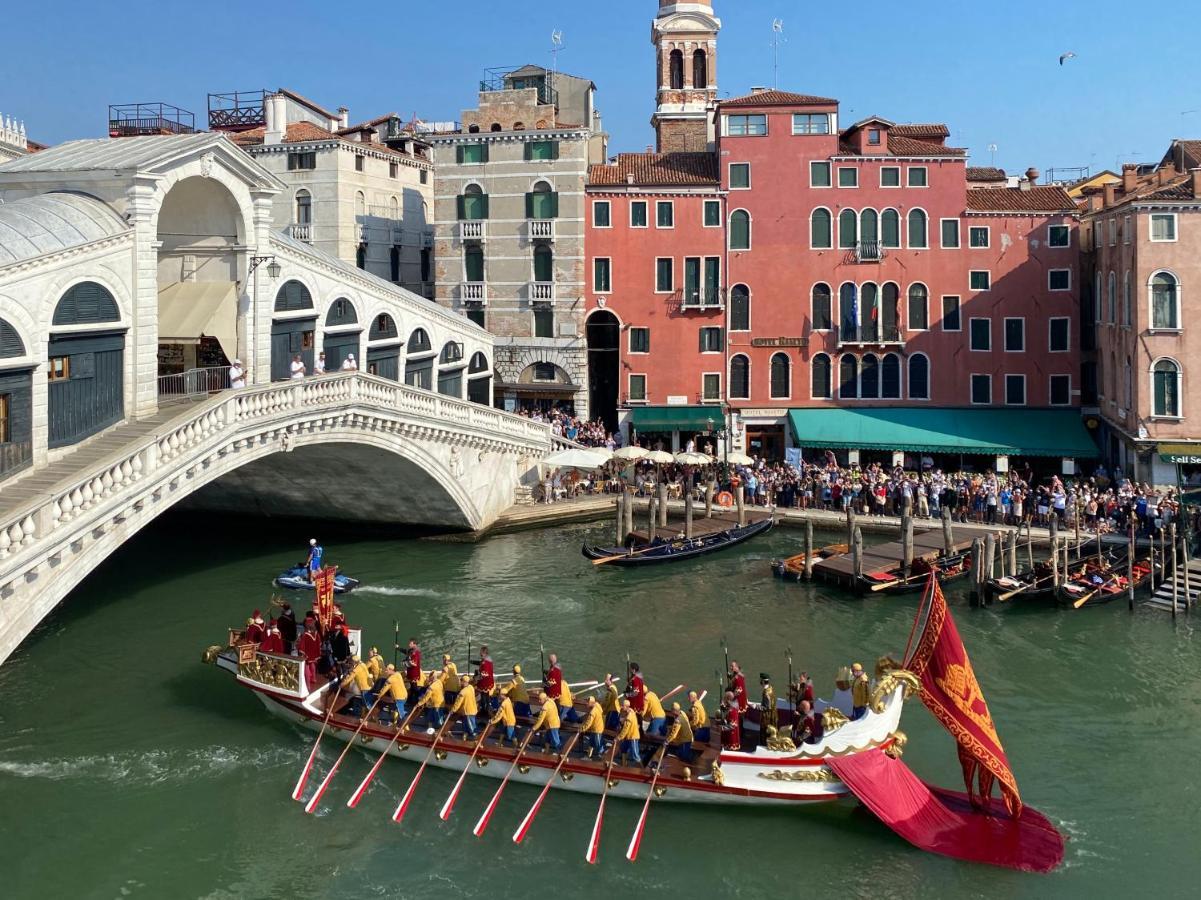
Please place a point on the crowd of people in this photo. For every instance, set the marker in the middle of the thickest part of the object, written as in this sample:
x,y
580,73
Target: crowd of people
x,y
566,424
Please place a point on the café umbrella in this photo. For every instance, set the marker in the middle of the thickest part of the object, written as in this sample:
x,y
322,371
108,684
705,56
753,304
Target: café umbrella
x,y
739,458
575,458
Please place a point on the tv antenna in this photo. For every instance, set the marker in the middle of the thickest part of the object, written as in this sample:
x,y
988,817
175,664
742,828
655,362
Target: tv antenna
x,y
556,45
992,155
777,38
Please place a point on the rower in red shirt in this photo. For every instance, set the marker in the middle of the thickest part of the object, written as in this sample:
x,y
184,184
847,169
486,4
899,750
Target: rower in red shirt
x,y
636,689
737,685
413,664
273,642
485,677
552,682
309,647
731,723
254,628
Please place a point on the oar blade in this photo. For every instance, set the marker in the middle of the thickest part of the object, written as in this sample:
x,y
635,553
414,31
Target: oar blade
x,y
449,805
298,793
317,794
594,841
524,828
486,816
362,788
403,806
636,837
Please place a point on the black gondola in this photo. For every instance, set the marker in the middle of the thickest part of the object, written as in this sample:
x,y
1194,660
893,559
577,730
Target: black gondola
x,y
894,583
676,549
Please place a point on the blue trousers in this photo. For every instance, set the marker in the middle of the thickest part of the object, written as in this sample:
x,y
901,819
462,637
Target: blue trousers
x,y
510,733
630,748
702,735
612,720
522,709
469,725
684,752
595,741
552,738
656,726
857,712
568,714
435,717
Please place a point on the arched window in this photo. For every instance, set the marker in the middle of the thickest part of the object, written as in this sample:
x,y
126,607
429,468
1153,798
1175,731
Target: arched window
x,y
452,352
740,230
676,70
890,229
419,342
474,203
890,313
383,327
544,263
479,363
360,205
1126,302
1099,301
473,129
700,69
519,126
918,314
781,377
89,303
1165,302
820,386
869,313
890,377
917,229
869,232
821,307
740,308
394,207
11,346
1111,290
847,229
1165,375
740,377
919,377
847,315
293,296
496,126
869,377
543,202
848,377
341,312
820,237
304,207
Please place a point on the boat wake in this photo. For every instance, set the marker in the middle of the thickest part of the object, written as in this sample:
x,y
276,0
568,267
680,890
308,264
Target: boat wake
x,y
386,591
152,767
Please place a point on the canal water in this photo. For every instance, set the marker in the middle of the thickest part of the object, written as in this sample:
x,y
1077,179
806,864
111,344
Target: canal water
x,y
129,769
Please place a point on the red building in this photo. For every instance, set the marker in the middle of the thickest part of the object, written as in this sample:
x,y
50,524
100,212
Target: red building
x,y
860,285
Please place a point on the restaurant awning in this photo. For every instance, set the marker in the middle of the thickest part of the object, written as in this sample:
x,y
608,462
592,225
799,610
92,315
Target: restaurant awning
x,y
676,418
987,432
189,310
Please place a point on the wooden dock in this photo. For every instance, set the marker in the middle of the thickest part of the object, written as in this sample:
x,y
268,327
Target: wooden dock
x,y
927,545
701,527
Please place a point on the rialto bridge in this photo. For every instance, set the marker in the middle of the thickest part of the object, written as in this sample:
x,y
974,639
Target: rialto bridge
x,y
119,257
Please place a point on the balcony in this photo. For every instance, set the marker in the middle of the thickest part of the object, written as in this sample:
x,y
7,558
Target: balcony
x,y
427,240
473,230
139,119
542,292
542,229
398,235
869,251
702,298
474,293
870,334
302,232
361,232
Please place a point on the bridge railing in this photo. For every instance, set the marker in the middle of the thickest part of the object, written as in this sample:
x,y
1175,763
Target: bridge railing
x,y
38,524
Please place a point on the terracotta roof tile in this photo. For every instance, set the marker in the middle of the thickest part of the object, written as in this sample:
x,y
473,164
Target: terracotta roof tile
x,y
658,170
899,145
370,123
985,173
1046,198
921,131
298,132
1181,190
1189,154
778,98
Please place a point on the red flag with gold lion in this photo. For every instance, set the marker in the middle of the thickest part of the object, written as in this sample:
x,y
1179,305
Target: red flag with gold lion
x,y
952,694
323,581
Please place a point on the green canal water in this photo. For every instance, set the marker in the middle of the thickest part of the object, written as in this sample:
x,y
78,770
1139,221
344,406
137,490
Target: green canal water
x,y
129,769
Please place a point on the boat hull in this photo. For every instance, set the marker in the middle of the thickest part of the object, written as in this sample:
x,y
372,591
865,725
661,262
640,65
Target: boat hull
x,y
676,550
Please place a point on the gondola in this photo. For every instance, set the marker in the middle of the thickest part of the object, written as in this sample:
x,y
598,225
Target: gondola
x,y
893,582
1101,584
794,566
1037,585
676,549
297,579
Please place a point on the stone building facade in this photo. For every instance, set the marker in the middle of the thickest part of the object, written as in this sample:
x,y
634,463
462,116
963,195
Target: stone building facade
x,y
685,39
509,227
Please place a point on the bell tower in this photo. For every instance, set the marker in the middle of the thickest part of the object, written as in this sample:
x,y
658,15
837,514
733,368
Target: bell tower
x,y
685,39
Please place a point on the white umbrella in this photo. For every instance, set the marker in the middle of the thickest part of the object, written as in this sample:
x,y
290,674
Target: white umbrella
x,y
575,458
739,458
659,456
693,459
630,453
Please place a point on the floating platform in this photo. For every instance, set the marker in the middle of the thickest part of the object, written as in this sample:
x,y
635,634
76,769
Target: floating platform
x,y
927,545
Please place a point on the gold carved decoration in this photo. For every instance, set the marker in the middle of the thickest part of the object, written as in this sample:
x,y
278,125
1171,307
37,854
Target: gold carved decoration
x,y
210,654
566,776
897,747
719,777
821,773
775,742
481,761
887,684
440,755
660,791
524,770
272,671
832,720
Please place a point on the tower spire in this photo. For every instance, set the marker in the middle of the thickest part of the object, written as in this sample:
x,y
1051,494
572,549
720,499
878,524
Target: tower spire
x,y
685,40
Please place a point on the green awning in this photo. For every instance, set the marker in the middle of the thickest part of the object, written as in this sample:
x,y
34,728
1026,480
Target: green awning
x,y
987,432
676,418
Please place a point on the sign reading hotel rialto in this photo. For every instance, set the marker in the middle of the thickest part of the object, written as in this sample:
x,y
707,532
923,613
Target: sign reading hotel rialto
x,y
780,342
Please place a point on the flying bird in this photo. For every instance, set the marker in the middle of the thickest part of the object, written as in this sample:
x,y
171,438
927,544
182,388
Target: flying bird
x,y
1064,57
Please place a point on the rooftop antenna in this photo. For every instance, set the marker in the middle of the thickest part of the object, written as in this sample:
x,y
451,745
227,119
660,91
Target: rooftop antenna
x,y
992,155
777,38
556,44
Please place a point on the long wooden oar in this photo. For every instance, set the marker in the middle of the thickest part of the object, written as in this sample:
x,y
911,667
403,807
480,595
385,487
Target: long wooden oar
x,y
636,839
1083,600
362,789
608,559
454,795
675,690
403,806
524,827
308,766
482,824
594,839
316,798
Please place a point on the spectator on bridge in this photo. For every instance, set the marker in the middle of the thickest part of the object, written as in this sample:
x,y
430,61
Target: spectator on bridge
x,y
237,375
348,364
319,365
297,367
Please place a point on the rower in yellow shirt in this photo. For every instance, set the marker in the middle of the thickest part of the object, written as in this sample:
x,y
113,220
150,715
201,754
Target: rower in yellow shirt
x,y
679,734
507,718
627,734
450,679
611,703
396,691
356,684
433,700
698,719
375,664
516,691
653,714
466,705
548,718
593,728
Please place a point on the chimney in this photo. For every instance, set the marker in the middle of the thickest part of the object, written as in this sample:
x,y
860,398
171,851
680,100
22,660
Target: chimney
x,y
275,110
1195,183
1129,177
343,117
1094,203
758,90
1166,172
1110,189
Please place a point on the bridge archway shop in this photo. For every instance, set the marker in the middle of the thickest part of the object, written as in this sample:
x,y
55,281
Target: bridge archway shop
x,y
293,330
85,365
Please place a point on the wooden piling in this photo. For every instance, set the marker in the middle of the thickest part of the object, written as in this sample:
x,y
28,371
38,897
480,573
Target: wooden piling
x,y
851,523
1029,545
619,536
906,543
990,555
1130,570
740,502
1188,592
652,517
948,534
629,512
1054,554
709,491
808,551
1012,556
662,491
1175,579
857,553
688,515
977,594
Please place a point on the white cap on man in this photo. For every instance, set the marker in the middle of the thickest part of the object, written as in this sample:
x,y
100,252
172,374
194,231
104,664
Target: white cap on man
x,y
312,542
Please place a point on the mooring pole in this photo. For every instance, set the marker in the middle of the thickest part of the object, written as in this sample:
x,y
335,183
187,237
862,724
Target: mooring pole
x,y
808,551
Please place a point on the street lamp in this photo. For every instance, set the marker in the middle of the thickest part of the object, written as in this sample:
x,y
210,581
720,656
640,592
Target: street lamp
x,y
273,267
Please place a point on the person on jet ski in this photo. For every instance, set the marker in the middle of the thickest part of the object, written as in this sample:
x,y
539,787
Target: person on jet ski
x,y
316,552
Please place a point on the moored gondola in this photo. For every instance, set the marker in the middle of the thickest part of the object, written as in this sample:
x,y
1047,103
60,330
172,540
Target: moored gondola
x,y
661,550
895,582
794,566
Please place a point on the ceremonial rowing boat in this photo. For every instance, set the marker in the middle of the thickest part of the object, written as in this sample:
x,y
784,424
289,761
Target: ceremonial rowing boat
x,y
676,549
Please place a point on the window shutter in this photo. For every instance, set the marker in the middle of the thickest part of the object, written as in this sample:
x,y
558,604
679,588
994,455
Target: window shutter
x,y
483,153
721,339
554,149
701,340
459,205
484,206
554,204
459,154
529,203
528,151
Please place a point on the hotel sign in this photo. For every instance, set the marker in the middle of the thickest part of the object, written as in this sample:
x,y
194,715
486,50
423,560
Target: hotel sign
x,y
779,342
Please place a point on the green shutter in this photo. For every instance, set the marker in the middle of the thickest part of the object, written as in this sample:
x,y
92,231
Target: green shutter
x,y
528,151
458,154
529,203
554,205
460,205
484,206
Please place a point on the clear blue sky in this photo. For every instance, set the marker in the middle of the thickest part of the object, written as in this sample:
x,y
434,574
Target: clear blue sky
x,y
990,71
